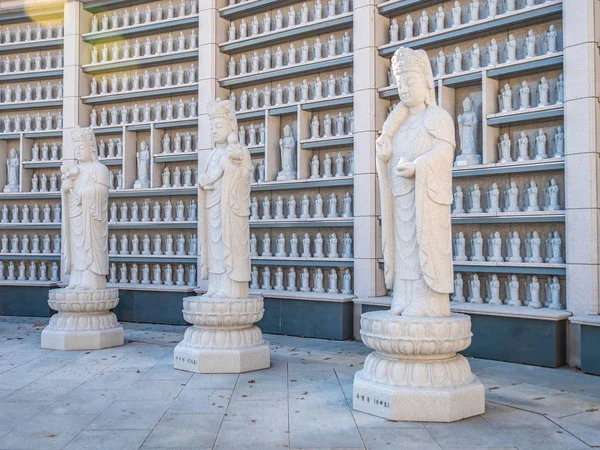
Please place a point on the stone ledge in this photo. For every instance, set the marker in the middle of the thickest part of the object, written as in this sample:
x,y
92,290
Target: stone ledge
x,y
589,319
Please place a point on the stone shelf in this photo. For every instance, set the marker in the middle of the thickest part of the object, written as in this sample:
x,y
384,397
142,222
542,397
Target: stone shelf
x,y
26,12
474,77
150,287
15,106
339,101
31,46
10,136
43,134
250,114
510,268
130,96
144,61
251,7
510,217
297,295
27,283
303,184
294,70
329,142
152,192
29,195
450,36
392,8
108,129
111,161
184,225
32,75
510,311
175,123
522,116
288,34
541,165
30,226
132,31
283,110
174,157
303,223
328,103
30,256
154,259
42,164
589,319
301,262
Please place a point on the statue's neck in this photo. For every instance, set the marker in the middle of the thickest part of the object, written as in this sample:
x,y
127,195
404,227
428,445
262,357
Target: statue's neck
x,y
417,109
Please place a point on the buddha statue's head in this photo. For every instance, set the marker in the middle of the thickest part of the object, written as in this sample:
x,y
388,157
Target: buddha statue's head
x,y
222,120
414,77
84,143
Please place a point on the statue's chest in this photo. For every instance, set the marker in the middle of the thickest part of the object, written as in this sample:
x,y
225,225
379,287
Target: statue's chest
x,y
411,141
214,164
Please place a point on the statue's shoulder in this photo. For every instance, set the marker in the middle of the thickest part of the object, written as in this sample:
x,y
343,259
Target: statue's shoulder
x,y
439,123
101,173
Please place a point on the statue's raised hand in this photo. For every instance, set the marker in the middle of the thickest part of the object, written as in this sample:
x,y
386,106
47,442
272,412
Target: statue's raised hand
x,y
383,147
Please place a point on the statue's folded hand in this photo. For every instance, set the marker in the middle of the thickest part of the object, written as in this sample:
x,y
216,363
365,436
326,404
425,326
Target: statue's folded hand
x,y
67,185
406,169
383,147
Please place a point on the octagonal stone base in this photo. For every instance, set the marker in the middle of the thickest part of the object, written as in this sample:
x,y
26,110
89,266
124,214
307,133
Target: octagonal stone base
x,y
237,360
223,338
418,404
84,320
415,373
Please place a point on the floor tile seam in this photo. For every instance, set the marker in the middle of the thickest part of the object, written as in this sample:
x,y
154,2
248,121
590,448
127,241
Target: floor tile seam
x,y
80,431
548,418
225,412
159,420
350,409
501,432
287,391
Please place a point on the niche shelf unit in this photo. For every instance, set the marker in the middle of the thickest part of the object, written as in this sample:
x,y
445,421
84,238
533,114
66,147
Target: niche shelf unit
x,y
35,33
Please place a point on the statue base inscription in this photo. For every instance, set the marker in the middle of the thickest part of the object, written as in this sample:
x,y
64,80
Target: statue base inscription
x,y
415,373
84,320
224,338
467,160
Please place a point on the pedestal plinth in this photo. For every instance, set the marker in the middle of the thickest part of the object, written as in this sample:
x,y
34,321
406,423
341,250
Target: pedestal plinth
x,y
223,338
415,373
84,320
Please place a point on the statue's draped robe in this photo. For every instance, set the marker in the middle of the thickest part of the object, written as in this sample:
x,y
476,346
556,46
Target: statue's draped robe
x,y
86,236
417,240
224,223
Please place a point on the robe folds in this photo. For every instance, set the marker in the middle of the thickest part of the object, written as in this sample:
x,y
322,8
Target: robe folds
x,y
432,185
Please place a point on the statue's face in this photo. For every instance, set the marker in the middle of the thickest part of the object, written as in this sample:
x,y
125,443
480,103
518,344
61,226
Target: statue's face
x,y
83,152
220,130
412,89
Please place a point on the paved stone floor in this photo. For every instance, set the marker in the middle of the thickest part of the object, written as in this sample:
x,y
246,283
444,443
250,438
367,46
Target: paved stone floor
x,y
131,397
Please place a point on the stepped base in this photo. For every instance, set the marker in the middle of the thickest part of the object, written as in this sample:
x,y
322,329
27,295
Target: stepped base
x,y
238,360
82,340
418,404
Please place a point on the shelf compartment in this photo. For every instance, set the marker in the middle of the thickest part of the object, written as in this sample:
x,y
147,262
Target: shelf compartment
x,y
184,225
303,184
153,192
526,66
320,65
302,262
154,259
30,46
330,142
174,157
162,26
526,116
251,7
522,217
450,36
144,61
32,75
302,223
188,88
16,106
328,25
542,165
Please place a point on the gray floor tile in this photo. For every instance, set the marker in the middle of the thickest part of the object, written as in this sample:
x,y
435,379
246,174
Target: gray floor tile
x,y
179,431
586,426
125,415
398,439
84,401
529,438
474,432
201,401
45,432
156,390
212,381
108,439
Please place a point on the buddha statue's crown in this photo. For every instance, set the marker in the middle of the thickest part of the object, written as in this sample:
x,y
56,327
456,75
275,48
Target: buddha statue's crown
x,y
406,59
220,109
85,135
